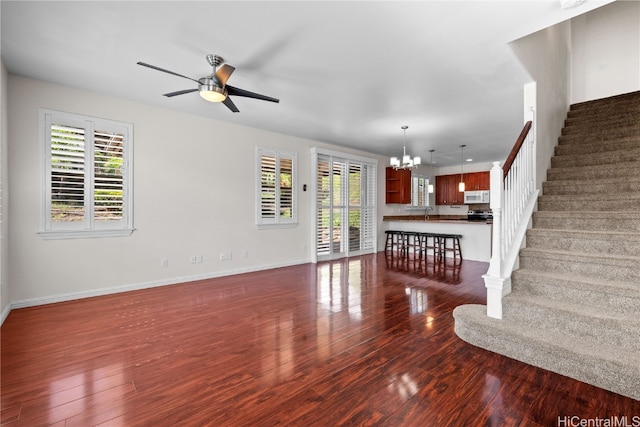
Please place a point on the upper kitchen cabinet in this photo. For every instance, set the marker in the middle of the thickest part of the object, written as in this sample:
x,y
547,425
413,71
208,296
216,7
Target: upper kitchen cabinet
x,y
447,186
476,181
398,186
447,190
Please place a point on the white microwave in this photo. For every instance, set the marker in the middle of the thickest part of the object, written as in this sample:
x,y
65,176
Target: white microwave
x,y
471,197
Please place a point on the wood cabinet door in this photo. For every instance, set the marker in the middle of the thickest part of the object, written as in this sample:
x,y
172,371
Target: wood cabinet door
x,y
447,190
474,181
441,190
484,180
457,197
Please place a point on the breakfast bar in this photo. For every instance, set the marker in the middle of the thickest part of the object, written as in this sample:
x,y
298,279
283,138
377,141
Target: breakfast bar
x,y
475,240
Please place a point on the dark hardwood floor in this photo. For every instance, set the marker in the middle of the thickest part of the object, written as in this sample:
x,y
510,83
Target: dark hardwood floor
x,y
350,342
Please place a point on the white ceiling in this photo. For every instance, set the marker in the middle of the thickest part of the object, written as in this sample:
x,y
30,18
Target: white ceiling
x,y
346,72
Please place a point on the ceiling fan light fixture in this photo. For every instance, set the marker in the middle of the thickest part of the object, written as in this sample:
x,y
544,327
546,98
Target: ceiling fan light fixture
x,y
211,92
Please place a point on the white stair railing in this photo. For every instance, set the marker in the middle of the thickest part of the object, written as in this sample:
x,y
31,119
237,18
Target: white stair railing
x,y
513,199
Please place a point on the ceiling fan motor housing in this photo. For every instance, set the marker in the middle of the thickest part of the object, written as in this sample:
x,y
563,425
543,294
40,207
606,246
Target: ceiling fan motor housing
x,y
211,84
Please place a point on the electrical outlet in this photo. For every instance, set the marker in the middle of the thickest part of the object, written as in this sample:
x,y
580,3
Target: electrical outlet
x,y
199,259
193,259
164,262
225,256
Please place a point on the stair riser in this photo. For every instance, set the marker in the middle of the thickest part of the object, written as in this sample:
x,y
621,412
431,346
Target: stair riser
x,y
629,170
593,138
586,244
613,105
568,148
589,294
603,268
608,158
629,127
602,224
595,118
607,332
628,205
610,375
590,187
600,113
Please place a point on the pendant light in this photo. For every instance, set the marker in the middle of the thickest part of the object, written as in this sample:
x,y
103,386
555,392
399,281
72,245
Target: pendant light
x,y
430,188
461,184
407,161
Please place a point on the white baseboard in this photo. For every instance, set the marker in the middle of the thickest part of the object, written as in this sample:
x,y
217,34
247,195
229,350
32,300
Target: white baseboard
x,y
31,302
5,313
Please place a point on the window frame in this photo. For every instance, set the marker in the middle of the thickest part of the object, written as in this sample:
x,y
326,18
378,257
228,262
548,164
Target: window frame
x,y
277,221
88,227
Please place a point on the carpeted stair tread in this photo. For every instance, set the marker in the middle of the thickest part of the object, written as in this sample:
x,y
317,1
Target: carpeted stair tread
x,y
625,187
614,369
608,157
620,243
576,118
610,137
583,264
584,257
620,169
555,203
579,145
625,126
531,278
599,325
614,221
627,101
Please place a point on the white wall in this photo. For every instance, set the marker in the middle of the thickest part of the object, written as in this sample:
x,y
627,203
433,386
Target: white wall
x,y
4,217
606,51
592,56
194,194
546,56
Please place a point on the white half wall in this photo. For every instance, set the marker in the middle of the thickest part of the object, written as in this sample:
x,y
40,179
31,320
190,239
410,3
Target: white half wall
x,y
194,194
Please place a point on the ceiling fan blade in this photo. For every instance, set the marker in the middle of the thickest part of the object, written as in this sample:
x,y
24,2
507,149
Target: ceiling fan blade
x,y
241,92
223,73
230,105
166,71
179,92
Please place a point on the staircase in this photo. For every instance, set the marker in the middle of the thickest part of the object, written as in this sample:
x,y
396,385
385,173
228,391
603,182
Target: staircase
x,y
575,303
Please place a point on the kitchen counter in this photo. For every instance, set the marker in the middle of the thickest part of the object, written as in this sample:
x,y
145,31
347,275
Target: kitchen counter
x,y
434,218
476,235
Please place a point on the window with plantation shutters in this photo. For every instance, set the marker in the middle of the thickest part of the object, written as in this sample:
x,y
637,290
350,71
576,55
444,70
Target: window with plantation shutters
x,y
87,179
276,198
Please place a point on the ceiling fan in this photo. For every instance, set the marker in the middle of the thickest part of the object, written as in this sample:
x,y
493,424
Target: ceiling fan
x,y
214,87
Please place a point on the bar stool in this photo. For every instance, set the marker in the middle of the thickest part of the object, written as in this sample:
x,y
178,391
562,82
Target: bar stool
x,y
428,244
443,246
411,243
394,242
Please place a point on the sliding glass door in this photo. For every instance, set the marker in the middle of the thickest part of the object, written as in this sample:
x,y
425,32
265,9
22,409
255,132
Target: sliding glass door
x,y
345,207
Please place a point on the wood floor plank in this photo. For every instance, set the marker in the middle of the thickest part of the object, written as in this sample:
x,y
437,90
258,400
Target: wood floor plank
x,y
359,341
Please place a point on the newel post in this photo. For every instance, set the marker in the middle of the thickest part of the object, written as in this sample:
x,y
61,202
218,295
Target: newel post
x,y
496,284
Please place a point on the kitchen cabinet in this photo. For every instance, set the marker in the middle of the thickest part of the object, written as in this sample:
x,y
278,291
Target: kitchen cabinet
x,y
447,190
447,186
398,186
476,181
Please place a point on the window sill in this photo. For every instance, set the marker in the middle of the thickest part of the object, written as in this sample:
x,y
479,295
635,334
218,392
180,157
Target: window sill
x,y
85,234
274,226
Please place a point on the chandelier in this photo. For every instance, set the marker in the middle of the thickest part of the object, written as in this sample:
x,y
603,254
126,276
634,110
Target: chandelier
x,y
407,161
